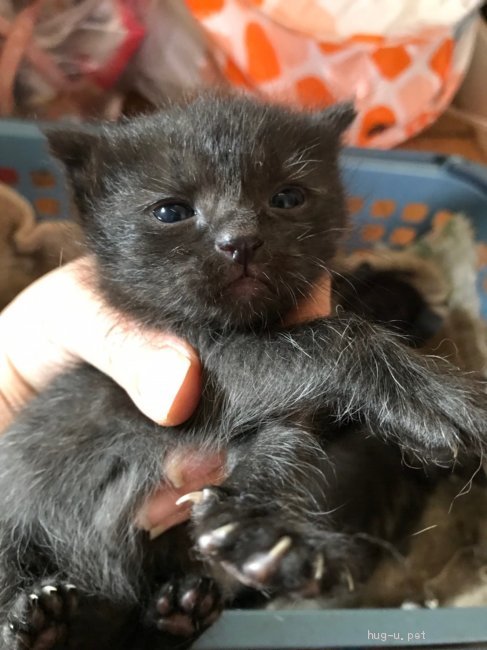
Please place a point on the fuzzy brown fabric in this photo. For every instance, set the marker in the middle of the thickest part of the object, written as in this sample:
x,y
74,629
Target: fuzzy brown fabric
x,y
29,249
446,564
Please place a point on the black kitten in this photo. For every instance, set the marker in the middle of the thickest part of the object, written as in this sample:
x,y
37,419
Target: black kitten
x,y
390,298
212,219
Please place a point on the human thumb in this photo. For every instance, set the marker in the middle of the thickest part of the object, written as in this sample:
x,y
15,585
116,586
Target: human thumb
x,y
162,377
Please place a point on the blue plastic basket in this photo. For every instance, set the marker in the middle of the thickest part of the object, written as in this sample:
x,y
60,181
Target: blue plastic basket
x,y
26,165
394,197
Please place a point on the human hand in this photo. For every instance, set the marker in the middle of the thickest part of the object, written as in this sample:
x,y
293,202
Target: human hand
x,y
60,320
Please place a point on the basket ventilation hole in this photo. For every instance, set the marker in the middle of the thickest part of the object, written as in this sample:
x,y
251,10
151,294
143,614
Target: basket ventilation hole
x,y
402,236
441,218
415,212
42,178
481,255
355,204
372,232
383,209
9,176
47,207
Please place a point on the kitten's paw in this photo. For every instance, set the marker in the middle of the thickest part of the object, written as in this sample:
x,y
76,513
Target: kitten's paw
x,y
185,605
441,415
265,550
40,616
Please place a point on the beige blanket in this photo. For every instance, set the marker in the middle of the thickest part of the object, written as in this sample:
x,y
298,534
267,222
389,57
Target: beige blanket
x,y
28,249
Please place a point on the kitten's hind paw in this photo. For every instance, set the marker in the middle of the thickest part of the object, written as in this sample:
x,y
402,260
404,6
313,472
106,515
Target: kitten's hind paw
x,y
185,605
265,549
40,616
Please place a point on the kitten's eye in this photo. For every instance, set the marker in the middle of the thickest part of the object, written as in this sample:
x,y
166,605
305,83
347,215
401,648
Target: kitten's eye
x,y
168,212
288,197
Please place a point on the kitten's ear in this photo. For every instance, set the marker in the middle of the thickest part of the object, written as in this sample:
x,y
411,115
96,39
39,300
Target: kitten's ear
x,y
79,151
73,147
337,118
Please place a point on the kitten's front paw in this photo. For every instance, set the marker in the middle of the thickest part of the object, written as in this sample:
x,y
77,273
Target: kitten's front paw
x,y
451,418
40,616
185,605
264,549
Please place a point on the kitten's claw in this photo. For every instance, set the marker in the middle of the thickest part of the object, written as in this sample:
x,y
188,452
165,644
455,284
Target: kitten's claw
x,y
214,540
319,567
348,579
262,566
193,497
281,548
48,590
196,498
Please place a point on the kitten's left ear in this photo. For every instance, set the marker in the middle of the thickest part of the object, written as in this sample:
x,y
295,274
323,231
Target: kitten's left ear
x,y
80,152
72,146
337,118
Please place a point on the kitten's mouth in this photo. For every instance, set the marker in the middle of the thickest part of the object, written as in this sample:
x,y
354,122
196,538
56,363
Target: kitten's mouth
x,y
248,285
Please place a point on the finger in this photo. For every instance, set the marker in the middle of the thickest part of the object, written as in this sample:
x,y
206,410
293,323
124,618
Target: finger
x,y
170,520
161,512
14,391
185,470
317,305
160,372
162,379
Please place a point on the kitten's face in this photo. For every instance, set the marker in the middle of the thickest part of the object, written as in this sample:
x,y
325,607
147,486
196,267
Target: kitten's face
x,y
222,211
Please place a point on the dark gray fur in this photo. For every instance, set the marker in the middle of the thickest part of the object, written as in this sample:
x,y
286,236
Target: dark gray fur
x,y
314,417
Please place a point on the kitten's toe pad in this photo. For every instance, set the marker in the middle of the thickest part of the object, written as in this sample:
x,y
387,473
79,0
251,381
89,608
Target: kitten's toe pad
x,y
40,616
186,605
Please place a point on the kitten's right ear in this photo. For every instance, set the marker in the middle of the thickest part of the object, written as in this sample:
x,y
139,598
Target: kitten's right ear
x,y
79,152
337,118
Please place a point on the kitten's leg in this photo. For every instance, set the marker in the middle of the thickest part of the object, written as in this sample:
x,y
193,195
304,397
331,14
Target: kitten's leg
x,y
359,372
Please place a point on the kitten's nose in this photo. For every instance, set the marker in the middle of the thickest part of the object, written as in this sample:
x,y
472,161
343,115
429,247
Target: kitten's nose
x,y
240,249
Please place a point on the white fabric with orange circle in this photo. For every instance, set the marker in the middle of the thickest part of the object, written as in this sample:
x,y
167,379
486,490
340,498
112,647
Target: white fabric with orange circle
x,y
401,61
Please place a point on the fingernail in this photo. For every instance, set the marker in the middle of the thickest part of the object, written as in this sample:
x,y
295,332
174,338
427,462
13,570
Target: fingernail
x,y
183,466
206,467
157,531
161,382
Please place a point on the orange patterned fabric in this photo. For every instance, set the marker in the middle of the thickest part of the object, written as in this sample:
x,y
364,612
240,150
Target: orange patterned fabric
x,y
204,8
293,52
262,62
391,61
